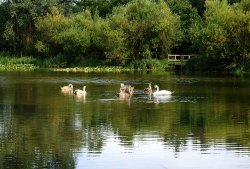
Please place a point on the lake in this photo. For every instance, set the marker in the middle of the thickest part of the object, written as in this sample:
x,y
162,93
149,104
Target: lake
x,y
204,124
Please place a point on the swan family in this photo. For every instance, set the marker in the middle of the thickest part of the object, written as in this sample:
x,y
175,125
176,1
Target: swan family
x,y
69,90
125,92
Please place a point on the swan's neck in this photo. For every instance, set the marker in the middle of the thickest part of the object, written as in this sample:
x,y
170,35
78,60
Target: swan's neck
x,y
157,88
84,88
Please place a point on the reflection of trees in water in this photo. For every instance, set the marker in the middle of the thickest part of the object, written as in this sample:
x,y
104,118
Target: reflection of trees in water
x,y
175,141
56,161
34,135
208,122
94,139
28,144
80,98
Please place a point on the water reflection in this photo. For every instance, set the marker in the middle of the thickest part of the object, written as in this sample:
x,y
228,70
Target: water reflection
x,y
68,93
162,99
43,128
80,98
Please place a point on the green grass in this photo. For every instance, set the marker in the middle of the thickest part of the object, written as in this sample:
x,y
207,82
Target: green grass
x,y
16,60
17,63
27,63
11,63
150,64
55,62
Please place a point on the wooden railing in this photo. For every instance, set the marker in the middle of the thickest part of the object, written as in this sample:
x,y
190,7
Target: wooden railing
x,y
179,59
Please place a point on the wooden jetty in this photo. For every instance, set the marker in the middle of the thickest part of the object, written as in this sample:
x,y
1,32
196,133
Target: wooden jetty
x,y
178,61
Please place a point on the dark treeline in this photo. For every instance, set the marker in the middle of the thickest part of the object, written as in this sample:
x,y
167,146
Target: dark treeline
x,y
121,31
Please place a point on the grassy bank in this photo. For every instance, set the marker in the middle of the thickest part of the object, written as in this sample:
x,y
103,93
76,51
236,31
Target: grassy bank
x,y
17,63
12,63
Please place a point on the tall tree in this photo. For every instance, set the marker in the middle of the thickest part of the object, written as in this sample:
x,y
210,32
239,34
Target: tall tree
x,y
18,29
4,17
224,37
233,1
150,27
102,7
69,6
188,16
68,35
199,5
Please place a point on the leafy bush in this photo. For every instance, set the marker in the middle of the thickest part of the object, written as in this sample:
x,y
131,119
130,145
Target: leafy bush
x,y
150,29
142,29
150,64
224,36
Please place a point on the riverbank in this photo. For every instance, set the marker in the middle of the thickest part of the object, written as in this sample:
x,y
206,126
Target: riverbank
x,y
9,63
92,69
12,63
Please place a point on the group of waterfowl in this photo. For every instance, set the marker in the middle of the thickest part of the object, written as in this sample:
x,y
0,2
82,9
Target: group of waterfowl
x,y
69,90
157,92
126,91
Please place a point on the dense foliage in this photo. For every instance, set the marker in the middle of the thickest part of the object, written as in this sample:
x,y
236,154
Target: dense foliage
x,y
223,37
121,32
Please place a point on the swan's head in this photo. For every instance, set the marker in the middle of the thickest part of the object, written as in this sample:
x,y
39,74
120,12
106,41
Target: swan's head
x,y
122,85
71,86
157,87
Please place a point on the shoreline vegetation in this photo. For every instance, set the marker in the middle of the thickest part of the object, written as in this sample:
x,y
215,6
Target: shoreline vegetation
x,y
12,63
123,35
27,63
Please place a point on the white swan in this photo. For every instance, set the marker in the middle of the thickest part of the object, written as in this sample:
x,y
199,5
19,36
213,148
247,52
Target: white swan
x,y
161,92
80,92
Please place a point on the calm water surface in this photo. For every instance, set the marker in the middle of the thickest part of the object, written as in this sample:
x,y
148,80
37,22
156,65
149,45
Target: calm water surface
x,y
204,125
